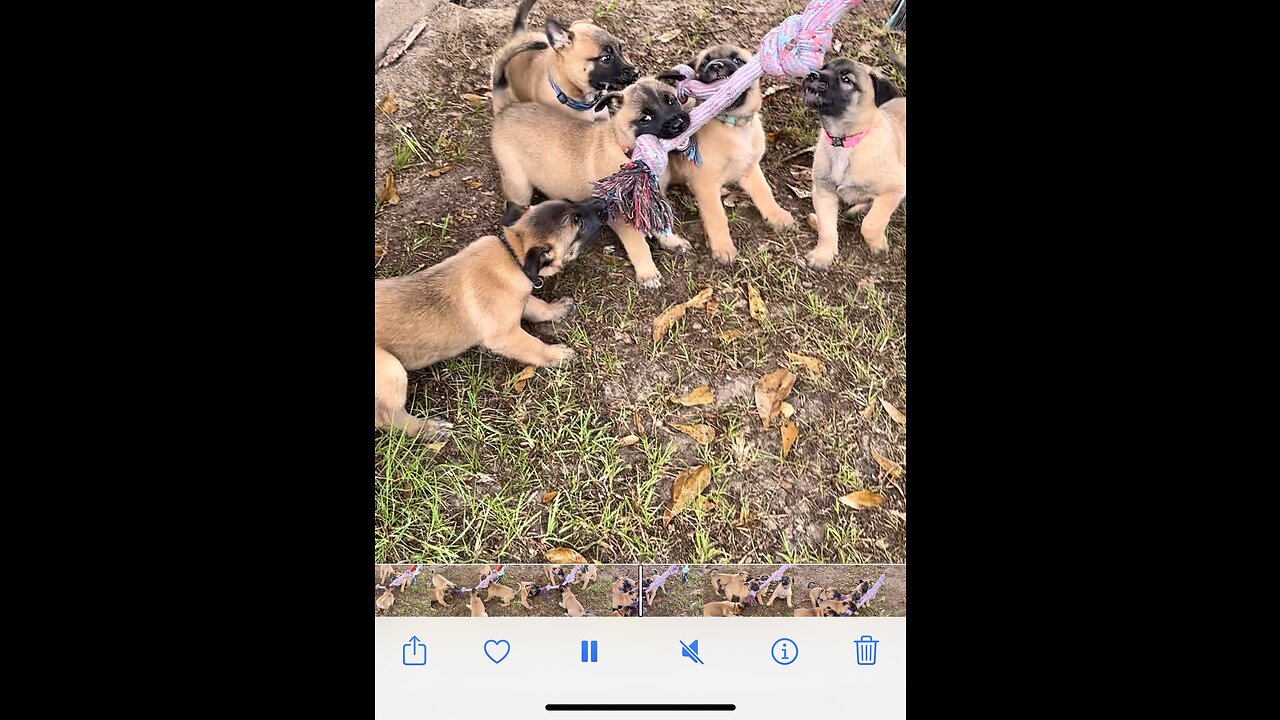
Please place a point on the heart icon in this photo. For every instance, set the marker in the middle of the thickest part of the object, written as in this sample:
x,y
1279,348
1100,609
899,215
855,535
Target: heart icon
x,y
506,650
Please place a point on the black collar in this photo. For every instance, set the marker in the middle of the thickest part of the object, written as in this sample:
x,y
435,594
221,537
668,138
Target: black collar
x,y
534,277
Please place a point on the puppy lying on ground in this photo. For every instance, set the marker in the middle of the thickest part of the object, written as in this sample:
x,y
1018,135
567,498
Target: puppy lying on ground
x,y
569,601
806,612
567,69
721,608
730,148
502,592
540,148
476,605
818,594
477,297
385,599
861,155
834,608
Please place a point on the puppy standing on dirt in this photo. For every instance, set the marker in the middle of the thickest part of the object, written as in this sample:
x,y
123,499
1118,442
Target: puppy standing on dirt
x,y
587,576
565,69
477,297
500,591
861,155
730,148
539,148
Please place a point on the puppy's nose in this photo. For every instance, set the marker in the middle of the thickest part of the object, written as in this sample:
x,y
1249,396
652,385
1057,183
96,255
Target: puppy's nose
x,y
812,77
678,123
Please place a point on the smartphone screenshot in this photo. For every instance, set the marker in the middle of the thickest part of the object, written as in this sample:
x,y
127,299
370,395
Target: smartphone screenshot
x,y
640,358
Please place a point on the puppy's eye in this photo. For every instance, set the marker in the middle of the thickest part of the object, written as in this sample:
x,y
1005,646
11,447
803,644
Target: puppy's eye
x,y
846,78
671,100
577,219
646,118
606,59
737,61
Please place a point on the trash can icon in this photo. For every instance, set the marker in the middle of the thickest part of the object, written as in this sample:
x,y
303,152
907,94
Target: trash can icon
x,y
865,649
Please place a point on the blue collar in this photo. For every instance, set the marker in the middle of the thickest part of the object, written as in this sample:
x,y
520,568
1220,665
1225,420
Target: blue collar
x,y
564,99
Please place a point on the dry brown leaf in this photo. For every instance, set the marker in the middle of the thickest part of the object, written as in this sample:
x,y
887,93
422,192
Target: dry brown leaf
x,y
388,105
756,305
789,434
712,306
729,336
788,410
389,195
771,137
668,36
473,99
548,496
662,324
800,193
522,378
702,433
812,221
697,396
812,364
378,251
771,390
439,171
564,556
629,440
474,184
436,447
730,199
385,599
889,466
699,300
862,500
688,485
894,412
869,410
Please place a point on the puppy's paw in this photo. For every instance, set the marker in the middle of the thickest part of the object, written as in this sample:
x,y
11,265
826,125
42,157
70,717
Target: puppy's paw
x,y
879,246
675,243
782,219
564,307
819,260
724,254
561,354
649,281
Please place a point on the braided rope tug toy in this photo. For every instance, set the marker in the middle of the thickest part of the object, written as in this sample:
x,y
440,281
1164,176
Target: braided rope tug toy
x,y
794,48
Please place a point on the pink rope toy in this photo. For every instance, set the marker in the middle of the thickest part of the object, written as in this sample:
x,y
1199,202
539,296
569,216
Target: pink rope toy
x,y
794,48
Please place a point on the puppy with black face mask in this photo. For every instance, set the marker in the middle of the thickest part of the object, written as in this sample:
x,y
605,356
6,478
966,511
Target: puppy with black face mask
x,y
477,297
567,69
861,155
783,590
539,148
730,148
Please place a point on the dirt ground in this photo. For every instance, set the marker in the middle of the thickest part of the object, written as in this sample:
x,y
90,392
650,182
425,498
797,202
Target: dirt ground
x,y
484,495
413,601
687,599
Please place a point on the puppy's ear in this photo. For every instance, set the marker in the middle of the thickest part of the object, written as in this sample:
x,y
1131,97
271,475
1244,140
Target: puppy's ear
x,y
612,100
559,37
885,90
535,259
514,212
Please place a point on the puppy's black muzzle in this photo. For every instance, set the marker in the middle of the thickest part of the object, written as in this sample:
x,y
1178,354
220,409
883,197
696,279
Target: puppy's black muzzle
x,y
674,125
717,70
593,214
623,78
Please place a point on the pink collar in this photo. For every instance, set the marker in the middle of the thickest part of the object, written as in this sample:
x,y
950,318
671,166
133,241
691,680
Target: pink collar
x,y
846,142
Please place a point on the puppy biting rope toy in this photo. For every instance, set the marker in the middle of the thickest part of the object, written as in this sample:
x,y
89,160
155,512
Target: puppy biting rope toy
x,y
483,583
775,577
795,48
867,597
658,581
412,572
568,580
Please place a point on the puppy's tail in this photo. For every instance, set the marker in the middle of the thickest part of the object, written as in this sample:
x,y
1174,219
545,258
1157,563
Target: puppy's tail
x,y
522,14
498,78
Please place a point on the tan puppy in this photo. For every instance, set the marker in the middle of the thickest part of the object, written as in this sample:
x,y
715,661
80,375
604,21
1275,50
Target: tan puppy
x,y
833,608
385,599
385,572
806,612
736,590
653,590
525,587
437,594
622,596
721,608
718,580
861,155
584,580
502,592
566,69
818,594
730,147
570,603
783,590
477,297
539,148
555,574
441,582
476,605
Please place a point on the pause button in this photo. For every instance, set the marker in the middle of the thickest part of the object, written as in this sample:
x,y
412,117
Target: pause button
x,y
591,648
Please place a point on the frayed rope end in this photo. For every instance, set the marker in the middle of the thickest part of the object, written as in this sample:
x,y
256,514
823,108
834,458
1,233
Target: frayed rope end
x,y
633,192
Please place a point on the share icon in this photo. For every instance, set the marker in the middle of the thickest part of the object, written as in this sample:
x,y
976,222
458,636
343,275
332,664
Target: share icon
x,y
690,651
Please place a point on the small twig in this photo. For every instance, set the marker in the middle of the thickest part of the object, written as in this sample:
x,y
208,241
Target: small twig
x,y
797,154
396,50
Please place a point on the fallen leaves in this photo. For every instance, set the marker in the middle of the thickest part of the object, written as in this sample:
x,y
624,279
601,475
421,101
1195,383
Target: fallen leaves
x,y
548,496
473,183
564,556
378,251
473,99
869,410
668,36
697,396
887,465
703,434
771,137
862,500
894,413
388,105
800,193
389,195
755,303
688,485
435,447
812,364
771,390
522,379
662,324
789,434
629,440
439,171
729,336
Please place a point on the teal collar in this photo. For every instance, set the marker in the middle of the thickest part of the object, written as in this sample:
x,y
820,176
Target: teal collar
x,y
732,120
